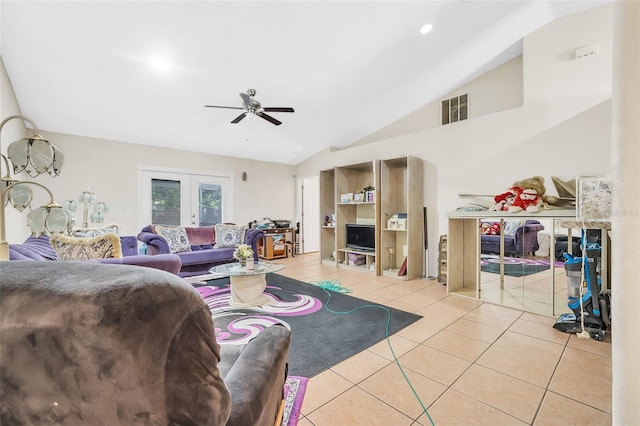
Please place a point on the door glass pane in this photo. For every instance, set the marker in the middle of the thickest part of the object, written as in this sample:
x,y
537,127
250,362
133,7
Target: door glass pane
x,y
210,204
165,202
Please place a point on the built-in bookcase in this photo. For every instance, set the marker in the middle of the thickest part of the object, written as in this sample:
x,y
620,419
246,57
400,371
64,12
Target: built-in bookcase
x,y
375,190
327,217
401,194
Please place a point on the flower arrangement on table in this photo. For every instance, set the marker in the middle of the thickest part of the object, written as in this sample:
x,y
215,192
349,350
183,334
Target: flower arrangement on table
x,y
242,253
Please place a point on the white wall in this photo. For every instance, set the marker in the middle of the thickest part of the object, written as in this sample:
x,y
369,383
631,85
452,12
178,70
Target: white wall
x,y
14,129
111,168
563,132
495,91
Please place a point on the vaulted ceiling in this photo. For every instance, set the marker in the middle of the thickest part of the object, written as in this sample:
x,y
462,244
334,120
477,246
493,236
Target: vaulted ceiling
x,y
142,71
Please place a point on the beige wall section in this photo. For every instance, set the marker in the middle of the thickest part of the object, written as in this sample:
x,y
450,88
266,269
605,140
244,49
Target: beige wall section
x,y
16,222
111,168
626,214
495,91
551,71
563,136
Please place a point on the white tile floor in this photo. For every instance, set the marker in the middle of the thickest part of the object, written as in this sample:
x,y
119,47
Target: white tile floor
x,y
469,362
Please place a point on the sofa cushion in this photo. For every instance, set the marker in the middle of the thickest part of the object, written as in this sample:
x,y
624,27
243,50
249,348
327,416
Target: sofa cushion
x,y
176,237
198,257
201,236
100,247
229,235
112,228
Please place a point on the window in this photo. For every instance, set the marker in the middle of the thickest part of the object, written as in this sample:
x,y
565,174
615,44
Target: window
x,y
184,198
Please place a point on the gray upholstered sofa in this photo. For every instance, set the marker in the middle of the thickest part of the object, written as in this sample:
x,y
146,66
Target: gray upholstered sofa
x,y
88,343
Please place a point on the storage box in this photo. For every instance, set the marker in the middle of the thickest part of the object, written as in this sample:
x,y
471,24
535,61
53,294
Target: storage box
x,y
355,259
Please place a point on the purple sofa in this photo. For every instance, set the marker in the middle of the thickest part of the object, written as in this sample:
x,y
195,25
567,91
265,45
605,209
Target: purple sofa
x,y
203,256
40,249
523,241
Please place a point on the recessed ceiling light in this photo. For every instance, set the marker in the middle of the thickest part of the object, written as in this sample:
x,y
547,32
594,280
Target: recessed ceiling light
x,y
160,63
426,28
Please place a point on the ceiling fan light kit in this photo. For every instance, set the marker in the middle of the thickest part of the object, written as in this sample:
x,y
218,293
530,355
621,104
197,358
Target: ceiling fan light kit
x,y
252,108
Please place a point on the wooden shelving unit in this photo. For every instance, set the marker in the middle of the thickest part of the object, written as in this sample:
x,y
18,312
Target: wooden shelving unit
x,y
353,179
401,183
398,184
327,208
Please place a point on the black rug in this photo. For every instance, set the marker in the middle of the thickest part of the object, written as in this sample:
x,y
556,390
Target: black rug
x,y
320,338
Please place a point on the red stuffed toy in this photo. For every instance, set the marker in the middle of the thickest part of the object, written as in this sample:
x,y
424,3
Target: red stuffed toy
x,y
527,200
505,200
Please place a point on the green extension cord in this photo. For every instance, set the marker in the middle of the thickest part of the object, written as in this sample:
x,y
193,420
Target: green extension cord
x,y
335,286
331,285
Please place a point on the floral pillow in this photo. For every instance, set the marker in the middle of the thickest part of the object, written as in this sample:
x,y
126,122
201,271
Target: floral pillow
x,y
229,236
176,237
73,248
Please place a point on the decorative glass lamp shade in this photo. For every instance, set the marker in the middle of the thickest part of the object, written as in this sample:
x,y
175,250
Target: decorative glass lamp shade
x,y
19,195
99,210
35,155
70,205
52,219
87,197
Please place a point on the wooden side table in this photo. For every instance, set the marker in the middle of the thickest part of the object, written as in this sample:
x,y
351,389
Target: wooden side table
x,y
274,245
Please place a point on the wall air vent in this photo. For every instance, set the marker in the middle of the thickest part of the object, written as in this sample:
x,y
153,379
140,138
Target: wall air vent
x,y
455,109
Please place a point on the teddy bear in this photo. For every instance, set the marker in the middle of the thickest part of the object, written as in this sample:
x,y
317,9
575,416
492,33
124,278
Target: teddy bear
x,y
535,182
527,200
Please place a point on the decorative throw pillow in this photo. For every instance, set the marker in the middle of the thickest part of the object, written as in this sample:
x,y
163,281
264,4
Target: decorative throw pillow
x,y
510,227
228,236
112,228
73,248
176,237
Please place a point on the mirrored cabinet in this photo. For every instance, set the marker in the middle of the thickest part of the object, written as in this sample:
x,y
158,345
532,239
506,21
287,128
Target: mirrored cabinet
x,y
517,259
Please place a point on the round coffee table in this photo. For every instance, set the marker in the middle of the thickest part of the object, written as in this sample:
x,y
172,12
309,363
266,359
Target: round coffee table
x,y
247,285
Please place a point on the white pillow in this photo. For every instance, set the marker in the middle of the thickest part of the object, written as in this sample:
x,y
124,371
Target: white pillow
x,y
176,237
228,236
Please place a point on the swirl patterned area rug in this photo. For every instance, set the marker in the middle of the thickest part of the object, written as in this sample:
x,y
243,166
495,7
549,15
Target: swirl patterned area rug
x,y
320,338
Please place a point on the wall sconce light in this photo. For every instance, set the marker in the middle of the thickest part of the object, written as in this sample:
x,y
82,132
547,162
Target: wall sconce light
x,y
88,198
34,155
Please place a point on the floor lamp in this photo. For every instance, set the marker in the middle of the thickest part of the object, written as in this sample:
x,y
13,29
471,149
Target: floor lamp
x,y
33,155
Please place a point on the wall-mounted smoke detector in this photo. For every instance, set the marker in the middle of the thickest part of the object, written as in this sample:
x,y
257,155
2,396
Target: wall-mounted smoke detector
x,y
591,49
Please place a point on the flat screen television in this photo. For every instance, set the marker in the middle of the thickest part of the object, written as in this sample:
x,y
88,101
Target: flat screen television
x,y
361,237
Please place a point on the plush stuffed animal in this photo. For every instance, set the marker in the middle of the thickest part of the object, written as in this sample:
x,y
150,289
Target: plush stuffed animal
x,y
535,182
505,200
527,200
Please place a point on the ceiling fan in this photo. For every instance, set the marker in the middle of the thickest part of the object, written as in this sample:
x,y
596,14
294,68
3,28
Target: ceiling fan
x,y
252,106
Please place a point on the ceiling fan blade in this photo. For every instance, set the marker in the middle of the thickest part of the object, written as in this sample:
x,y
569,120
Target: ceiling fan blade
x,y
270,119
246,99
226,107
279,109
238,118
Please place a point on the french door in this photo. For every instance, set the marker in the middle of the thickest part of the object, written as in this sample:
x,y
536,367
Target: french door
x,y
183,198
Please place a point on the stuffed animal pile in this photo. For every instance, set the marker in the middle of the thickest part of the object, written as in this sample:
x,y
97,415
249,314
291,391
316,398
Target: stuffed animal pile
x,y
524,195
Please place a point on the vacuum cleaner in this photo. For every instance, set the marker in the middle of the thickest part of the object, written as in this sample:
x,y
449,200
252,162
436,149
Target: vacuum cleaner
x,y
590,306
